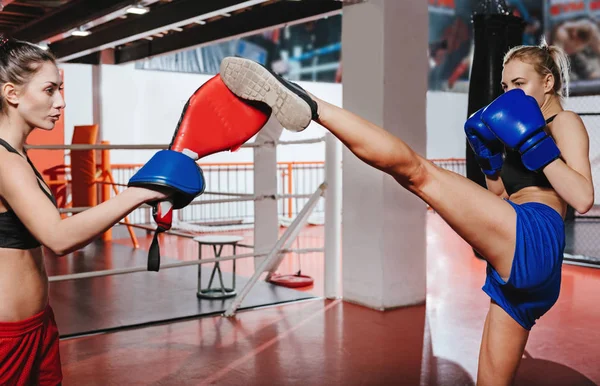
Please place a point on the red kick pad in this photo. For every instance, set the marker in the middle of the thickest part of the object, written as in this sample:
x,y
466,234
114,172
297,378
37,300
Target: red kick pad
x,y
214,120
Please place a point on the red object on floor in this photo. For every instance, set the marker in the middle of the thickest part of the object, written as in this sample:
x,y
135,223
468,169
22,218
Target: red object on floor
x,y
292,281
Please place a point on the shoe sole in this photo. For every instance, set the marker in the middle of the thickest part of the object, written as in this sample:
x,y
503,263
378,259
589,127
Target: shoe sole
x,y
251,81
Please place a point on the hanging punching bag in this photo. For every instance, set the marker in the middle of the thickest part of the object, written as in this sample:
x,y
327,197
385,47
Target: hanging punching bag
x,y
495,32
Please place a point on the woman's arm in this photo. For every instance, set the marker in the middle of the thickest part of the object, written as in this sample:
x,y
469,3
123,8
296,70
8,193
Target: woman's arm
x,y
571,175
19,188
495,185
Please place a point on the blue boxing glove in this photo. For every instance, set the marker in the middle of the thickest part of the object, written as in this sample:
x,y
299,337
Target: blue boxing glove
x,y
489,151
516,119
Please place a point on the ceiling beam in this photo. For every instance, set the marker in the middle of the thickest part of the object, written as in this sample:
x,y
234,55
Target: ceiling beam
x,y
170,15
243,24
72,15
31,13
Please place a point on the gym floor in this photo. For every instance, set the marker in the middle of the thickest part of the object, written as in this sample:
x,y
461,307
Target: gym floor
x,y
322,342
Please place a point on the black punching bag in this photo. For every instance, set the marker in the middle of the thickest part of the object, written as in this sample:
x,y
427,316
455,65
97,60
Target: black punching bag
x,y
495,32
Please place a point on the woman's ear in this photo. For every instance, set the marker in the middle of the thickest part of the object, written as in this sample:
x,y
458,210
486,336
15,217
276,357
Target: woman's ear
x,y
548,83
9,91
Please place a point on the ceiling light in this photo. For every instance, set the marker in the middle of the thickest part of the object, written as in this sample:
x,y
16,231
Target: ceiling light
x,y
80,32
138,9
183,22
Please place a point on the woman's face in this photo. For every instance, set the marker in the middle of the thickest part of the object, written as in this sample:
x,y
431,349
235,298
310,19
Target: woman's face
x,y
39,102
519,74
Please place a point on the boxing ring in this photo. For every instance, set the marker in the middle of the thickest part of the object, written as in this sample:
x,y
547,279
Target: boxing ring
x,y
91,290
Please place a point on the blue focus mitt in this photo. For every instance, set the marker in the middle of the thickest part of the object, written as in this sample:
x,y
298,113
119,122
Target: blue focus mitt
x,y
173,172
180,177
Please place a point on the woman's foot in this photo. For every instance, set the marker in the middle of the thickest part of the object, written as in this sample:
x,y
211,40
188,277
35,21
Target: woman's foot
x,y
292,105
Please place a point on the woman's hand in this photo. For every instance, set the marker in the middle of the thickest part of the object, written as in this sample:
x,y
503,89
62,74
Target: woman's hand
x,y
151,195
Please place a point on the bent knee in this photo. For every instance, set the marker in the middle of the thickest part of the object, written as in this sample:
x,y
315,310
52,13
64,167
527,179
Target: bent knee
x,y
420,177
415,175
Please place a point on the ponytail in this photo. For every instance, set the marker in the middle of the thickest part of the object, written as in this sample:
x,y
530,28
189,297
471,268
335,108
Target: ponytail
x,y
546,59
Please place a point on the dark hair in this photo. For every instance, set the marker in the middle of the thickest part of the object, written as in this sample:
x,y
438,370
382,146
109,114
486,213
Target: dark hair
x,y
19,61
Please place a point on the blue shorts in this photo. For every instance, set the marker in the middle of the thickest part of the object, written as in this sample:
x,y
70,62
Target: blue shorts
x,y
534,283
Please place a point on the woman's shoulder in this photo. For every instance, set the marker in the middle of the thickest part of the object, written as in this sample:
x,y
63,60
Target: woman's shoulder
x,y
10,158
13,167
567,119
566,116
568,127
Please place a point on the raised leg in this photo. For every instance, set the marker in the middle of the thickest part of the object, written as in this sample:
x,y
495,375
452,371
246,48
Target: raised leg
x,y
485,221
502,348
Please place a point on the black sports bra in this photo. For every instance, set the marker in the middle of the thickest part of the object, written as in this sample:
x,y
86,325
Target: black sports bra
x,y
516,176
13,234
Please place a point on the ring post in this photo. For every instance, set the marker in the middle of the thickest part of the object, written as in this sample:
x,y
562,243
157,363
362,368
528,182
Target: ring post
x,y
333,217
105,195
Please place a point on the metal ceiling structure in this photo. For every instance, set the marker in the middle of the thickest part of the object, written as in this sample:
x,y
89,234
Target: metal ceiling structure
x,y
15,14
78,30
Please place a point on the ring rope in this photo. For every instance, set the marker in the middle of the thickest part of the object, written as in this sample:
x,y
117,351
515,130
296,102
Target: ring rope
x,y
160,146
205,202
121,271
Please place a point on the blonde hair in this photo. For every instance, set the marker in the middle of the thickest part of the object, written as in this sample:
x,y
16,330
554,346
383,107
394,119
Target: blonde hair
x,y
545,60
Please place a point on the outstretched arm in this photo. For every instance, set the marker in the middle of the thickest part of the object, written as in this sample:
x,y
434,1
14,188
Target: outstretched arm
x,y
19,188
571,175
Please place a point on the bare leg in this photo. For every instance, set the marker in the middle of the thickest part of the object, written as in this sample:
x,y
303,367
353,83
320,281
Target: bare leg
x,y
502,347
484,220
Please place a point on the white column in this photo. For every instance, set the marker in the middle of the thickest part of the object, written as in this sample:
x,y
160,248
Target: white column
x,y
266,222
333,217
97,97
384,49
107,57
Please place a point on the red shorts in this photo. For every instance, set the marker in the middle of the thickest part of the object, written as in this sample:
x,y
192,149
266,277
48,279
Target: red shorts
x,y
29,351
